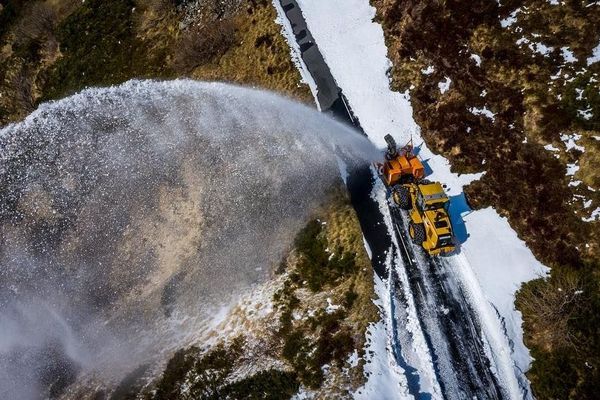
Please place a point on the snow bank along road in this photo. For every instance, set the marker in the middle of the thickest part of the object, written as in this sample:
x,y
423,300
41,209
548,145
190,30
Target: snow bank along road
x,y
451,328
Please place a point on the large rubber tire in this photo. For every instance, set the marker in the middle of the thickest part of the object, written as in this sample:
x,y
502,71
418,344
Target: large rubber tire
x,y
418,233
402,197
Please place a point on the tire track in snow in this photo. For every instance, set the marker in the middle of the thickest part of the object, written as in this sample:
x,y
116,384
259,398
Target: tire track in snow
x,y
456,335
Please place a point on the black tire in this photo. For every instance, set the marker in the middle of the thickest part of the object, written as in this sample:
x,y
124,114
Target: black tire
x,y
402,197
418,231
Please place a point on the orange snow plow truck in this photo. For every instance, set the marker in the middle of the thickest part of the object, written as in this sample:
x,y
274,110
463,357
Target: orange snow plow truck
x,y
426,202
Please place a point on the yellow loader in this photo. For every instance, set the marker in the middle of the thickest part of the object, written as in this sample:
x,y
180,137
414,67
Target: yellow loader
x,y
429,225
427,203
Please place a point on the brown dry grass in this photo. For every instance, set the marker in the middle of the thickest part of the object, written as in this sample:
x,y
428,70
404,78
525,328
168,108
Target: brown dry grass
x,y
260,55
549,309
240,43
343,229
203,44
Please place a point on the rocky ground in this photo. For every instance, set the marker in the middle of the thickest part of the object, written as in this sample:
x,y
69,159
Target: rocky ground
x,y
512,89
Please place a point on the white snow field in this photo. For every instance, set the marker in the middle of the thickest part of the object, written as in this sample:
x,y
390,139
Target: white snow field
x,y
493,262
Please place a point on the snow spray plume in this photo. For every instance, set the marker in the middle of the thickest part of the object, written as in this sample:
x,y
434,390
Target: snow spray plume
x,y
128,214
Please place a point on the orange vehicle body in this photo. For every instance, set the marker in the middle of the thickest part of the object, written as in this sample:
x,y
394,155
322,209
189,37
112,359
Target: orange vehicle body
x,y
404,166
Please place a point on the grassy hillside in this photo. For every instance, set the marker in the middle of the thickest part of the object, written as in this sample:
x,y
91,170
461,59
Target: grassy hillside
x,y
507,89
50,49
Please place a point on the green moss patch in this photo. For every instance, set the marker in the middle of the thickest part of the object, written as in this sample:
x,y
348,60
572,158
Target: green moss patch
x,y
562,329
191,374
318,265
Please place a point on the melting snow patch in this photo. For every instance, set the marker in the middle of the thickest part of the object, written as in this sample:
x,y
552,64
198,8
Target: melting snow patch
x,y
331,308
550,147
595,55
595,216
353,359
476,58
444,85
536,47
556,76
303,394
568,55
483,111
572,169
428,71
541,48
511,19
570,141
585,114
